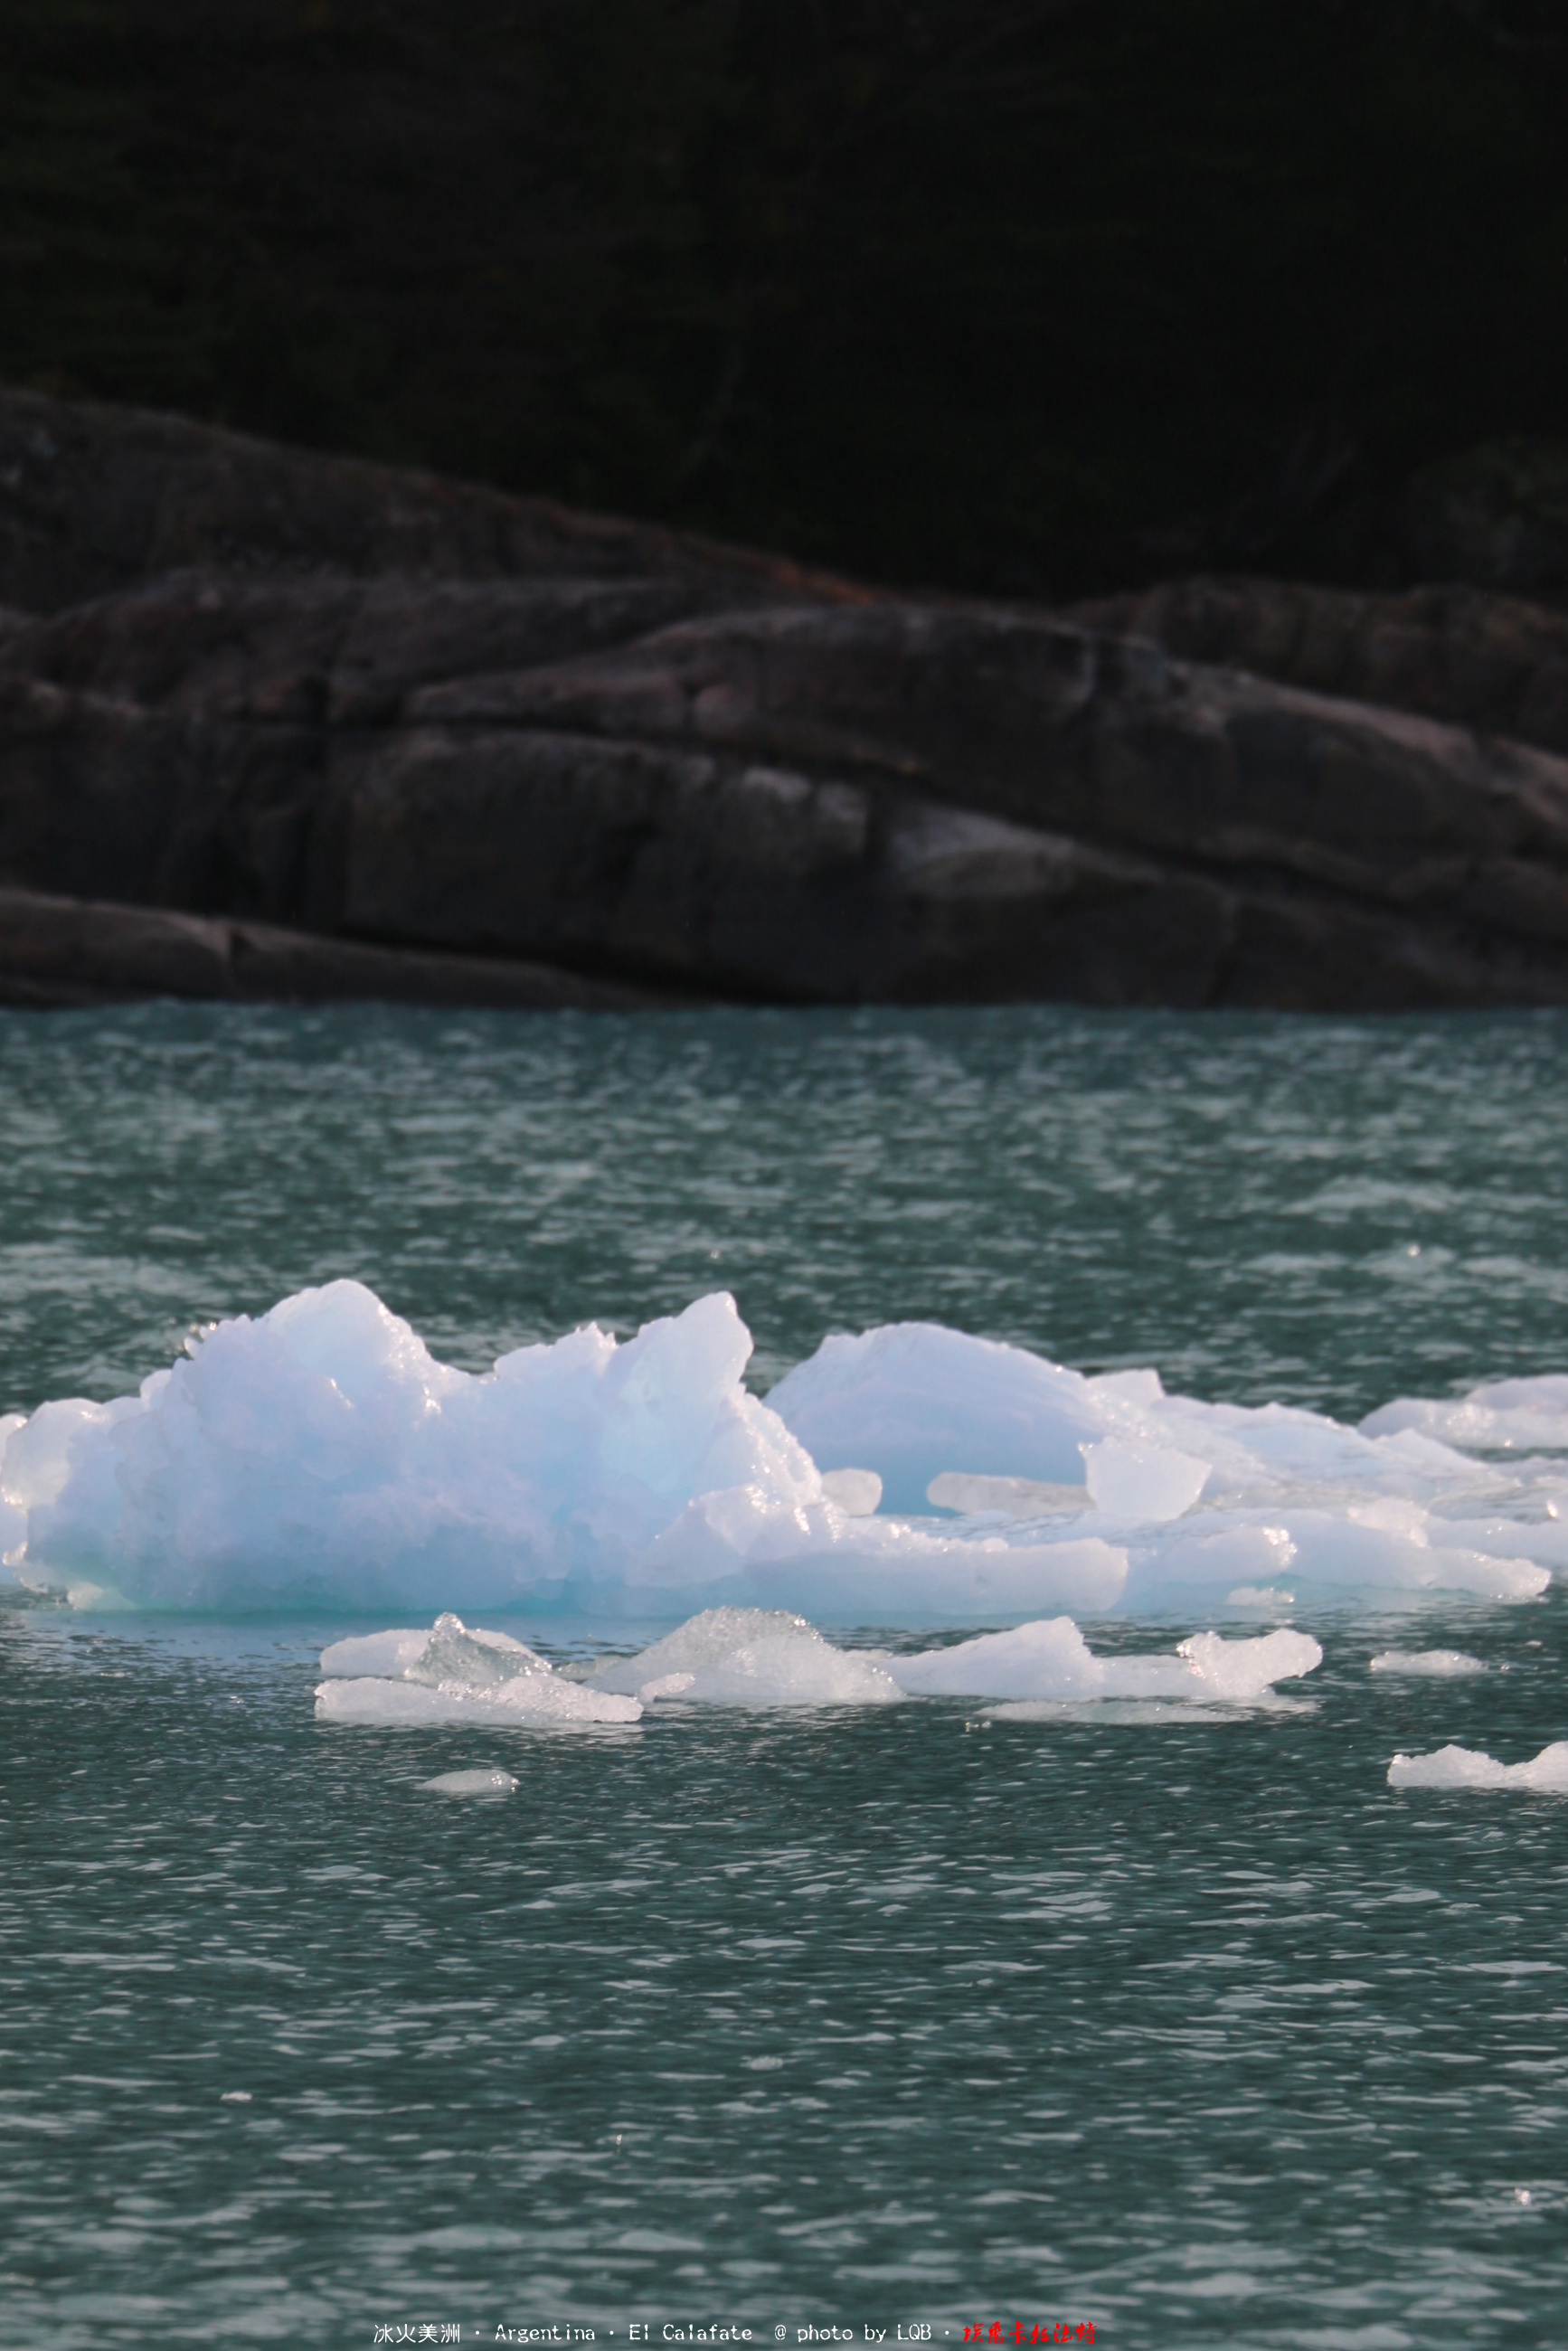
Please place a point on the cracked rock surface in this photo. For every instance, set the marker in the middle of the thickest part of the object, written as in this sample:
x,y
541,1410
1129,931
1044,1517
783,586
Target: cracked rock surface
x,y
391,736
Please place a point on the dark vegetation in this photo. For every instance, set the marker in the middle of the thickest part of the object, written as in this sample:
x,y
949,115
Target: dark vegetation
x,y
1026,296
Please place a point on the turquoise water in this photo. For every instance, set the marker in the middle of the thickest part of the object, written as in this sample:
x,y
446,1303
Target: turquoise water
x,y
1190,2028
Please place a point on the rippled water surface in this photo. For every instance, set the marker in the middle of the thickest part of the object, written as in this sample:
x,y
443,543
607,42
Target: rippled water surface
x,y
1188,2028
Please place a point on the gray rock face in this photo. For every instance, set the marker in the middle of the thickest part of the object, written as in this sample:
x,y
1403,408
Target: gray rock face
x,y
73,951
1485,662
422,726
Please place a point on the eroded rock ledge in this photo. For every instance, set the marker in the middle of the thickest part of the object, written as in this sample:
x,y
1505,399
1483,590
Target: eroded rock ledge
x,y
453,743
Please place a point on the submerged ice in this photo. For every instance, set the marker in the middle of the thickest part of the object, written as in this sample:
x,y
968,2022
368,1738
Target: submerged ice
x,y
318,1455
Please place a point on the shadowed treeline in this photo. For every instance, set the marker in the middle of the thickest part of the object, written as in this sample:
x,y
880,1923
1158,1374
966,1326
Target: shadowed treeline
x,y
1025,296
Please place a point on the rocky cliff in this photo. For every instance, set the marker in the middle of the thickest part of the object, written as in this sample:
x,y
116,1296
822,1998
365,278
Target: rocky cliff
x,y
379,734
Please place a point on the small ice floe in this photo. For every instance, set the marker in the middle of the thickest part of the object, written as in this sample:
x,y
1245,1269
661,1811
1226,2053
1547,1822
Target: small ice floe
x,y
234,2098
749,1657
453,1675
1438,1665
1050,1661
481,1782
1468,1767
1260,1595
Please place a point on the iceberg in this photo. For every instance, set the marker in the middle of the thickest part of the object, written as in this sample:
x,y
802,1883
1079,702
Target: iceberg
x,y
1470,1767
318,1456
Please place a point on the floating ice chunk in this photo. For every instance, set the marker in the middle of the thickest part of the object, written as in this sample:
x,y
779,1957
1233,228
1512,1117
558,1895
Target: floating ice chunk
x,y
452,1674
857,1492
1260,1595
1048,1660
1052,1660
791,1672
1438,1665
478,1660
1008,1497
320,1455
1245,1670
1505,1416
1145,1482
491,1782
1465,1767
750,1656
704,1638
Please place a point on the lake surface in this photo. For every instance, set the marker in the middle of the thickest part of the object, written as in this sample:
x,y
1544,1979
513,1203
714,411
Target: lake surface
x,y
1190,2028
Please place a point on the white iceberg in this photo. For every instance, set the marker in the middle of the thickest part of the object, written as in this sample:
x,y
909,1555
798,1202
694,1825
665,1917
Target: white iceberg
x,y
319,1455
1468,1767
452,1674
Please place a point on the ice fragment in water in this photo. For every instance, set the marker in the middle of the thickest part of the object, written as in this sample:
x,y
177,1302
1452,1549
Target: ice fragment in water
x,y
1440,1665
456,1674
750,1656
1466,1766
1052,1660
478,1660
492,1782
